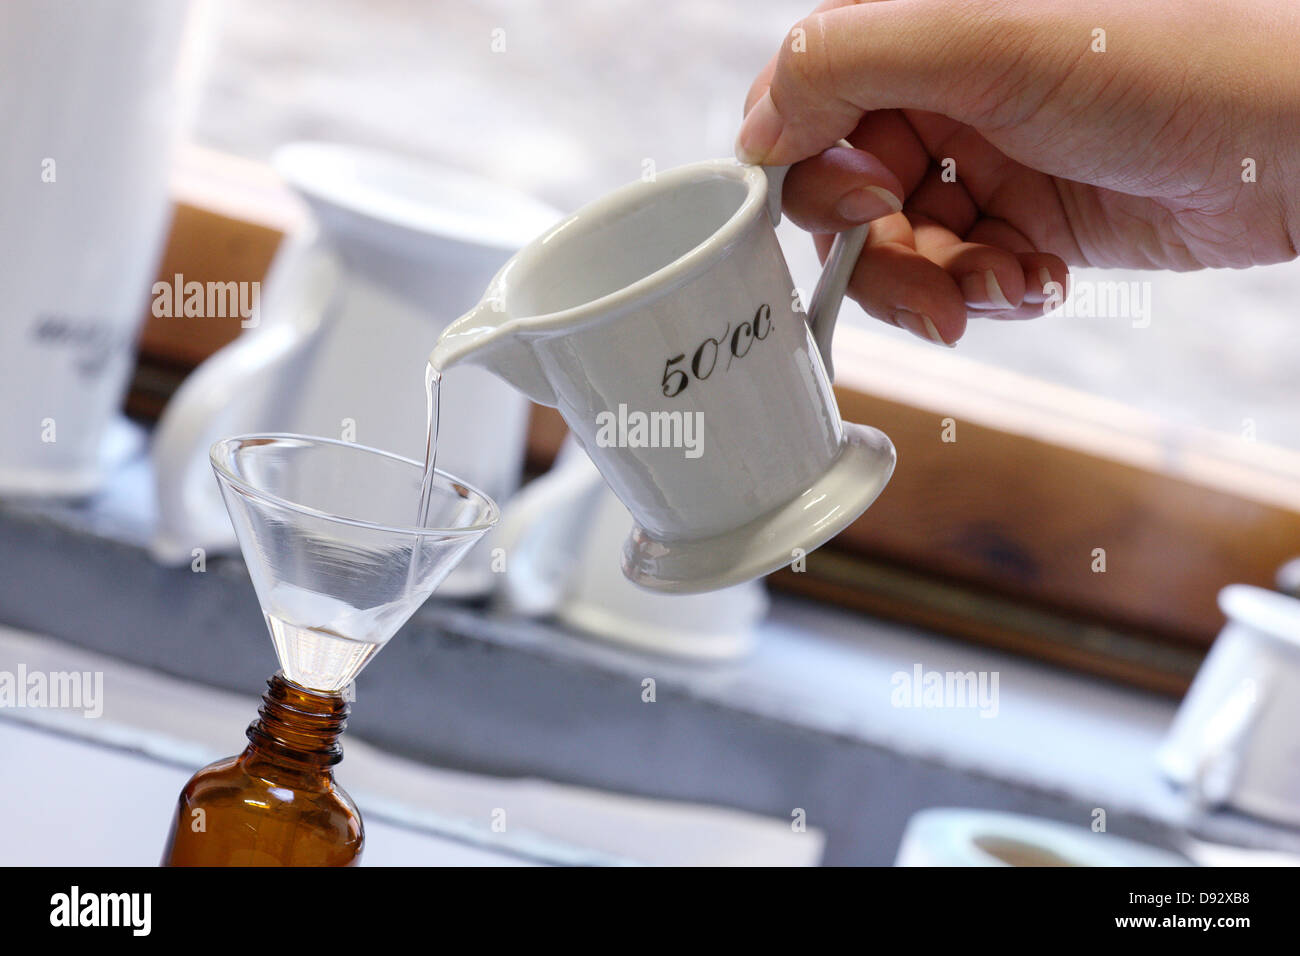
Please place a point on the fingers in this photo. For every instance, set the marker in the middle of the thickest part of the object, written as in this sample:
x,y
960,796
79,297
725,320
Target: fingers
x,y
894,282
1038,269
847,60
919,275
838,189
904,81
997,185
990,279
764,78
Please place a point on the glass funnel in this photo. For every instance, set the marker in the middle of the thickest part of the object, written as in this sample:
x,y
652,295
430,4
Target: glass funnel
x,y
329,535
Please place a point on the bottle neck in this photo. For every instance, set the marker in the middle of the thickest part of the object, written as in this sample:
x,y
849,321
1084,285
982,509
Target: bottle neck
x,y
297,730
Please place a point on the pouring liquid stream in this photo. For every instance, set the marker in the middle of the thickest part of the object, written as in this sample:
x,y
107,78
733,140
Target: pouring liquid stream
x,y
432,396
328,656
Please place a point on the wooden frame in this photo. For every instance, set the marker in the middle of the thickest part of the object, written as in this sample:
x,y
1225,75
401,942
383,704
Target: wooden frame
x,y
1041,477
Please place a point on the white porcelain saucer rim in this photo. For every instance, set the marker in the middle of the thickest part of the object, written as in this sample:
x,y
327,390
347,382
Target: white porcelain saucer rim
x,y
863,449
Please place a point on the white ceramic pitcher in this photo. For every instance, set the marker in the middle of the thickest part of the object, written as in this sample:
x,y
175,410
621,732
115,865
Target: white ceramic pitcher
x,y
663,323
1233,741
338,349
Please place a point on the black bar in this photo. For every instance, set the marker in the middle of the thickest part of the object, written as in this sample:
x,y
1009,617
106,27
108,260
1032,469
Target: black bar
x,y
248,909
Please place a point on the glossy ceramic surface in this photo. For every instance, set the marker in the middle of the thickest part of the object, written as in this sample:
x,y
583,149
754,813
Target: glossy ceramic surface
x,y
663,323
1234,741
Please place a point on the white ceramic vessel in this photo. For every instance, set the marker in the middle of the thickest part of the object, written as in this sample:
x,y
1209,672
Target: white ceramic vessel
x,y
950,836
87,98
668,306
1234,741
339,347
560,533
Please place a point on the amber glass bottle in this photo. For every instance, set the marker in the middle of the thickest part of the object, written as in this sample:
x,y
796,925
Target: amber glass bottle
x,y
276,803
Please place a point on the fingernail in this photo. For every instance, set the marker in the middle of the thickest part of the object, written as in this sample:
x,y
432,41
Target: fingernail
x,y
1044,277
760,131
867,203
982,289
920,326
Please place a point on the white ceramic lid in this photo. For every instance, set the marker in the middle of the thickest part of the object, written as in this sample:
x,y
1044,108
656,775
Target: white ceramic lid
x,y
417,195
1269,612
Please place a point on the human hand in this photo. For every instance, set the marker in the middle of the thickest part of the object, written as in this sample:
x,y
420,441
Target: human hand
x,y
1130,148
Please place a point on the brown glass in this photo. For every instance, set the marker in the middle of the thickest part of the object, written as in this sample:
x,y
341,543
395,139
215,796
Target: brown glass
x,y
276,804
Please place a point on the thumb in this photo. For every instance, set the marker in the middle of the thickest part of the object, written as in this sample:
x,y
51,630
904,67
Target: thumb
x,y
888,54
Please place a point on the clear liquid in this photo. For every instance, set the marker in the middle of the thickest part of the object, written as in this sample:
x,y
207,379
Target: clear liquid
x,y
318,659
432,399
323,642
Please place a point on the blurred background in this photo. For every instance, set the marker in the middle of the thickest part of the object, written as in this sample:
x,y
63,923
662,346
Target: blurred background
x,y
1113,527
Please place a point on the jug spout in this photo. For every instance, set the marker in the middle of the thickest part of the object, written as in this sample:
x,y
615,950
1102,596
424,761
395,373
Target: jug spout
x,y
486,337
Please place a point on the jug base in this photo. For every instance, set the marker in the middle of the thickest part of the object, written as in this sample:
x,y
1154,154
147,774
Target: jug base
x,y
769,543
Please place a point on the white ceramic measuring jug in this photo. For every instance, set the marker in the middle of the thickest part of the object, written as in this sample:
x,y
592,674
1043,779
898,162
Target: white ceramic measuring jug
x,y
663,323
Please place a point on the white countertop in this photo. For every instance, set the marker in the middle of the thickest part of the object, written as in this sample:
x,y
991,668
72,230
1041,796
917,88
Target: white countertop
x,y
81,790
70,802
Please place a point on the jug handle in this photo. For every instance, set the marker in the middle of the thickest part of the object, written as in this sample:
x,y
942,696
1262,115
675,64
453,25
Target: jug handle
x,y
834,280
